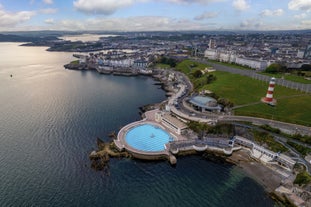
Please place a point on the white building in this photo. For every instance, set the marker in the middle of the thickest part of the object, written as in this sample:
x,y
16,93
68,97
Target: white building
x,y
231,57
265,155
255,64
171,122
211,54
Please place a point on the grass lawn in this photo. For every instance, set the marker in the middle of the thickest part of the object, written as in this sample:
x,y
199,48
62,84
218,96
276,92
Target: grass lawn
x,y
187,66
292,106
290,77
294,110
244,90
75,62
230,65
162,66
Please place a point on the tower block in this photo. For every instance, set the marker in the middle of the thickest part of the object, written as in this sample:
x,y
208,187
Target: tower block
x,y
269,96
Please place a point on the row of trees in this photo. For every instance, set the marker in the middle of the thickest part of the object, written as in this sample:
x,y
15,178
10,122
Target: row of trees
x,y
168,61
279,68
202,129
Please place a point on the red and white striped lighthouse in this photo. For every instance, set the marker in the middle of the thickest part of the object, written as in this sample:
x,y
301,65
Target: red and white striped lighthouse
x,y
269,96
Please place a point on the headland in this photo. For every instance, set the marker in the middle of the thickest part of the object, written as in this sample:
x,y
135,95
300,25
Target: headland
x,y
273,170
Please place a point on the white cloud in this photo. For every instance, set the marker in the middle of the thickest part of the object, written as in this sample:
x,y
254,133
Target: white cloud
x,y
300,16
101,7
139,23
191,1
12,19
108,7
48,1
251,24
304,5
49,21
268,13
240,5
206,15
306,23
48,11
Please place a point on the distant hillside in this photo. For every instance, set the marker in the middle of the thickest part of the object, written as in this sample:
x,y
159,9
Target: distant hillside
x,y
18,38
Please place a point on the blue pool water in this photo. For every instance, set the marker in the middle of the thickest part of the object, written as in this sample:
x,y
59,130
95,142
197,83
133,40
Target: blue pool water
x,y
147,137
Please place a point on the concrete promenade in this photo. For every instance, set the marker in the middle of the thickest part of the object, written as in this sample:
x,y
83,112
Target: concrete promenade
x,y
121,143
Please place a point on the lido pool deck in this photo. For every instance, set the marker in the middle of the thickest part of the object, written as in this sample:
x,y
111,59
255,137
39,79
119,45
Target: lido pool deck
x,y
147,138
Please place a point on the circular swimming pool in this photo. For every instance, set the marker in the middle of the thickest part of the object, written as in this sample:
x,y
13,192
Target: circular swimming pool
x,y
147,137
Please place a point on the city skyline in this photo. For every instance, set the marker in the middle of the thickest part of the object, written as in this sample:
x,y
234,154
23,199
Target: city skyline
x,y
151,15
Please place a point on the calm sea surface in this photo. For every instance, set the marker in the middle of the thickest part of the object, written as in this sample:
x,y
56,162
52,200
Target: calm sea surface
x,y
49,120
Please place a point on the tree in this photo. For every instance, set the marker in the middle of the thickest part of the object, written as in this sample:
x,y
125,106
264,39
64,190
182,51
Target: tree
x,y
169,61
306,67
210,78
275,68
197,73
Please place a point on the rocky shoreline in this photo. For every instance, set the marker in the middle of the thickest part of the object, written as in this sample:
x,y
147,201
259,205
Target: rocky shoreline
x,y
113,70
269,179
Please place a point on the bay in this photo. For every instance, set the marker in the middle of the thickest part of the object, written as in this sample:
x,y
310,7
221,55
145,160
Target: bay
x,y
49,121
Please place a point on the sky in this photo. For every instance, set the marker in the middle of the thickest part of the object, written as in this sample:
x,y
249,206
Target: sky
x,y
154,15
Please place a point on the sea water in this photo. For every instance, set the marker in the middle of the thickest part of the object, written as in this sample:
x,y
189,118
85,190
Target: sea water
x,y
50,118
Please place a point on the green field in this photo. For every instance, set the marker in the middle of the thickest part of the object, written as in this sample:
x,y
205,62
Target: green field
x,y
292,106
290,77
231,65
187,66
162,66
244,90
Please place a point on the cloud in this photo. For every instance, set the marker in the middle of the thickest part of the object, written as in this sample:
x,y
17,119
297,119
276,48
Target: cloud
x,y
240,5
49,21
106,7
306,23
138,23
191,1
300,16
304,5
11,19
269,13
206,15
48,1
251,24
48,11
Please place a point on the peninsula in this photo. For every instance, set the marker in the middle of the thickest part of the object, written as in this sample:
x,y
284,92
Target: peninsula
x,y
187,129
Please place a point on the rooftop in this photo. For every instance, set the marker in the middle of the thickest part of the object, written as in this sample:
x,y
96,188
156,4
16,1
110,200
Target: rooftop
x,y
175,121
204,102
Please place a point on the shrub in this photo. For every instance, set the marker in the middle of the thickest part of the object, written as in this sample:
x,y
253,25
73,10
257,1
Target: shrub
x,y
302,178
